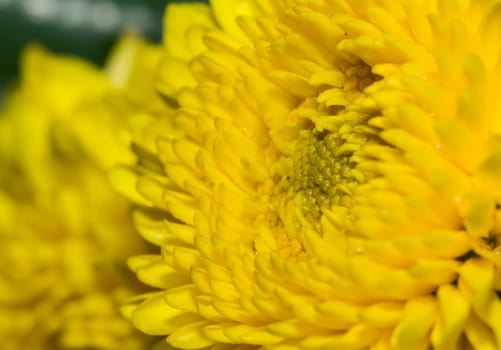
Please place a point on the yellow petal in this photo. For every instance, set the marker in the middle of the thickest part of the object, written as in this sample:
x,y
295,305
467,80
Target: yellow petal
x,y
227,12
476,280
419,316
490,170
479,335
155,317
190,336
184,26
454,313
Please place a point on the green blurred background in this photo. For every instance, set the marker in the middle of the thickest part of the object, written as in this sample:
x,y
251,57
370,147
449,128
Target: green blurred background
x,y
86,28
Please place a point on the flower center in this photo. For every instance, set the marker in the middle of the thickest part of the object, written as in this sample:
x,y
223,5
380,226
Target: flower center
x,y
322,173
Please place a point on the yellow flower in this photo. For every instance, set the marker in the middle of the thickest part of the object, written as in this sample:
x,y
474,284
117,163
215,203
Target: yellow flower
x,y
64,233
330,179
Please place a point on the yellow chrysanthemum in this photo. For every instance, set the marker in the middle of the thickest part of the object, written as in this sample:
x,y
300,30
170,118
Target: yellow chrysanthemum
x,y
330,179
64,233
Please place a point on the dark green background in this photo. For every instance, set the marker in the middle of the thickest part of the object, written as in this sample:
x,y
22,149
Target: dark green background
x,y
71,26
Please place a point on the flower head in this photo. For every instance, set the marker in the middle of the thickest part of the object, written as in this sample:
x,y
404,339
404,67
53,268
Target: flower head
x,y
64,232
329,179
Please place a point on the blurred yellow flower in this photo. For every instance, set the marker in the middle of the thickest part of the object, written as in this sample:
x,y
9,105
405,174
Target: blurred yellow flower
x,y
330,179
64,233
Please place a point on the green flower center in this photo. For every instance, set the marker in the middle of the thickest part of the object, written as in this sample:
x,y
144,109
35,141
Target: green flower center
x,y
323,172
